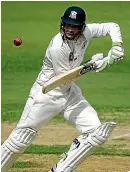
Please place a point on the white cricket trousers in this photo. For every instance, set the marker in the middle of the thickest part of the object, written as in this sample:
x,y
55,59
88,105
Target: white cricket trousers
x,y
72,105
38,110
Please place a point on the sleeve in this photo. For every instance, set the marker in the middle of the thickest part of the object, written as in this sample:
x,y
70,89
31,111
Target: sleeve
x,y
60,60
104,29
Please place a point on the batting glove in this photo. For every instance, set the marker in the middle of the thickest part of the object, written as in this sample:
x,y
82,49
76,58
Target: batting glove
x,y
116,53
100,62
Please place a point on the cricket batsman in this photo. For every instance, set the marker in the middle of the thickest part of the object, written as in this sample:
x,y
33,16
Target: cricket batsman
x,y
65,52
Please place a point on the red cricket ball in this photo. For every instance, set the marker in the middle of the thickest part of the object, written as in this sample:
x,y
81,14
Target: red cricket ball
x,y
17,41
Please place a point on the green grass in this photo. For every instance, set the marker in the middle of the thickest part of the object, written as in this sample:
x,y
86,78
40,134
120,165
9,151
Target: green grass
x,y
19,164
59,149
108,91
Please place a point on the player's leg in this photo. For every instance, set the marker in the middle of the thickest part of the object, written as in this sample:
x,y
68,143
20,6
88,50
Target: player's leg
x,y
38,110
82,147
93,133
16,143
80,113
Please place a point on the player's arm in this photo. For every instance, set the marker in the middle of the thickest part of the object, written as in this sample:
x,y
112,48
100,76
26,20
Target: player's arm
x,y
97,30
103,29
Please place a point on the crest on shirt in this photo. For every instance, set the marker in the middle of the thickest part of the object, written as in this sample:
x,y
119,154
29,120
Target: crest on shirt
x,y
73,15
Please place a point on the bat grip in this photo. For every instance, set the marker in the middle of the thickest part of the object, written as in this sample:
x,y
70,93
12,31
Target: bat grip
x,y
87,67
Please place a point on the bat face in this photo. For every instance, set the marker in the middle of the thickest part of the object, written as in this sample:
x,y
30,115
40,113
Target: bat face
x,y
62,79
66,77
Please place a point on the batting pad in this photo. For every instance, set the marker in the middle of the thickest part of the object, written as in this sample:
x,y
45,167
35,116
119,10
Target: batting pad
x,y
17,142
82,147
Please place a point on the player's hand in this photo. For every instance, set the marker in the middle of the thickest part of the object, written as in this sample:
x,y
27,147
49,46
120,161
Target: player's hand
x,y
116,53
99,62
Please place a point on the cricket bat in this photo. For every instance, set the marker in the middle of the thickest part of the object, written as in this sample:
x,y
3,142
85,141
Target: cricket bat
x,y
67,77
